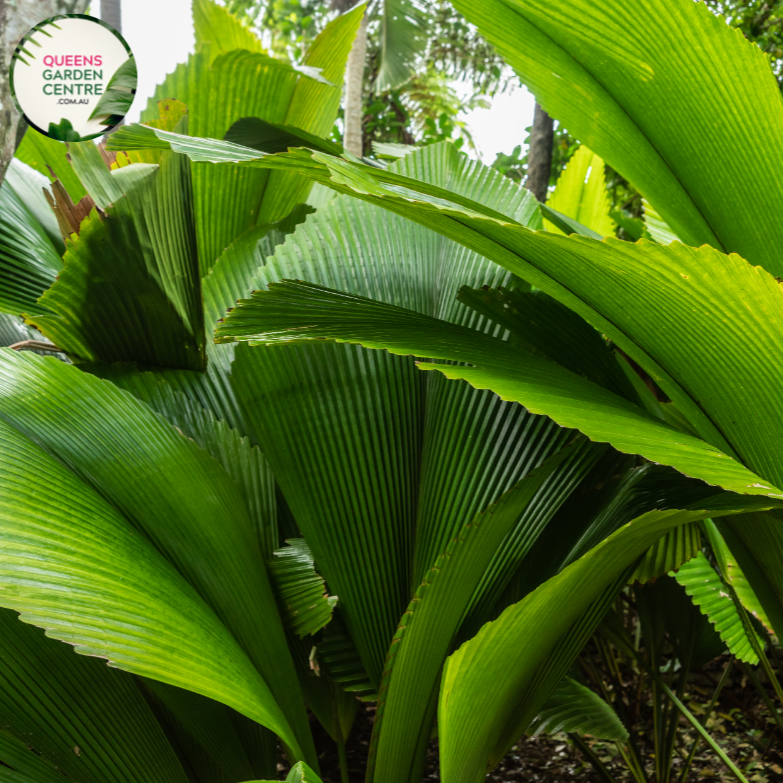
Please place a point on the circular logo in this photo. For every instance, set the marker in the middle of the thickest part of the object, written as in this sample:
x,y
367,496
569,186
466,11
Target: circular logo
x,y
73,77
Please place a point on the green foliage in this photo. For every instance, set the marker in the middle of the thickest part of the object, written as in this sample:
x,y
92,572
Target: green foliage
x,y
494,514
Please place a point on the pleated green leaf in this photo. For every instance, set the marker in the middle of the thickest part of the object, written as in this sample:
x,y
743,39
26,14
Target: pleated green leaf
x,y
489,685
29,185
130,287
292,311
565,224
313,108
756,544
674,550
49,157
75,714
656,227
173,491
404,36
100,183
29,262
705,588
581,194
428,630
115,597
338,657
732,573
208,735
372,465
216,25
22,766
236,84
300,591
619,296
540,324
275,136
535,522
244,462
334,707
574,708
222,84
681,104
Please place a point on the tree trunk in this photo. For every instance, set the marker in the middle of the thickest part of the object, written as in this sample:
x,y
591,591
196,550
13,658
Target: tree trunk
x,y
15,20
354,79
111,13
539,154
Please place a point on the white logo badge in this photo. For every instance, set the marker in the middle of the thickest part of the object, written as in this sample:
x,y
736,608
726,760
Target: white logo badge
x,y
73,77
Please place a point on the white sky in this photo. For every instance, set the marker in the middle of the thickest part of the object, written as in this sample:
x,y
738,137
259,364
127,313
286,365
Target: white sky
x,y
158,46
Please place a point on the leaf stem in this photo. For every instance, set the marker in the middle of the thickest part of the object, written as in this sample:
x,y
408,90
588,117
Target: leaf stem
x,y
343,759
592,757
710,708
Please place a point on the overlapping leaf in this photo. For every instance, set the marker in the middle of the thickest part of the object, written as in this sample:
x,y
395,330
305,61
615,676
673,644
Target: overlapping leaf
x,y
496,683
244,462
377,446
616,287
428,630
74,713
305,606
116,598
130,288
581,193
574,708
221,84
681,104
29,262
705,588
293,311
186,504
404,36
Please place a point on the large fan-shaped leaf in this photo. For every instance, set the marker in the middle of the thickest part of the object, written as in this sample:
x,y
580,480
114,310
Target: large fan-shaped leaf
x,y
105,590
489,692
216,25
670,96
609,284
616,296
30,185
130,287
428,630
85,719
244,462
171,489
464,466
222,84
49,157
300,312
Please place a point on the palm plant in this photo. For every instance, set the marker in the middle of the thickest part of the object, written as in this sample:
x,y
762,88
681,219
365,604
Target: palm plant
x,y
474,535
